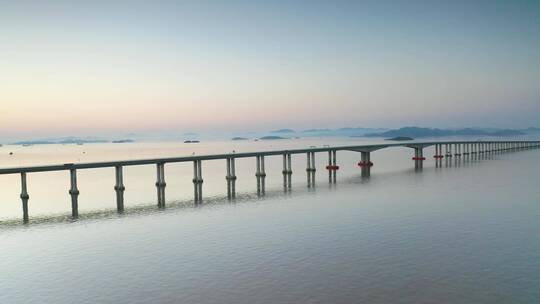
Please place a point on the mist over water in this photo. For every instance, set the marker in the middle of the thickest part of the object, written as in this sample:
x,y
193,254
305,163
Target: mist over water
x,y
462,233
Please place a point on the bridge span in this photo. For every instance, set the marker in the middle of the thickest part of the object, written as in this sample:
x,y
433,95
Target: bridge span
x,y
443,149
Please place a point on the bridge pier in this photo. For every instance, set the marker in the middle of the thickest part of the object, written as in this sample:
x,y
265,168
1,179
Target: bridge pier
x,y
458,150
119,188
418,157
438,152
448,150
197,180
310,169
74,192
287,171
231,178
160,184
24,197
332,166
261,175
365,164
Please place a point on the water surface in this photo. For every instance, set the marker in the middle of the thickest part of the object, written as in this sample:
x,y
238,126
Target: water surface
x,y
463,233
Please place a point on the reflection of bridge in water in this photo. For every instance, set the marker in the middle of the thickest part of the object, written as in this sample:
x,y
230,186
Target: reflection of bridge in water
x,y
457,149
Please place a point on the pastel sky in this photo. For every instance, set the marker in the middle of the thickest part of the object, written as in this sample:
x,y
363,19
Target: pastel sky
x,y
80,67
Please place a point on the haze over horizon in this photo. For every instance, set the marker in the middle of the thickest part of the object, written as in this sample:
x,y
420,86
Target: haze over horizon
x,y
73,68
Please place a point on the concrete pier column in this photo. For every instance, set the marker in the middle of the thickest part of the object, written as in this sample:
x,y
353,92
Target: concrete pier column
x,y
290,172
365,164
260,174
197,181
310,169
160,184
200,179
329,166
334,163
284,171
332,166
287,171
313,169
24,197
263,176
418,157
74,192
119,188
231,178
438,155
228,178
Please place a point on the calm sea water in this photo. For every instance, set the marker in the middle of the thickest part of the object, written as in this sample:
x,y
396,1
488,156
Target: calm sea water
x,y
463,233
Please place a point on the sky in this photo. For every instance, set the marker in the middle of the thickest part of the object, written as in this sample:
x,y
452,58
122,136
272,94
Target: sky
x,y
100,67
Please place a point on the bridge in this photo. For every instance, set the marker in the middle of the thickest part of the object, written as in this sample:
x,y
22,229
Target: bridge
x,y
451,149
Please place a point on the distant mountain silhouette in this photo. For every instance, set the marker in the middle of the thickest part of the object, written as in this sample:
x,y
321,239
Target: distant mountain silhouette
x,y
63,140
283,131
271,137
349,131
429,132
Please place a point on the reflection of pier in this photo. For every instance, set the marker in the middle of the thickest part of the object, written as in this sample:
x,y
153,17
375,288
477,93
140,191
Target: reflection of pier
x,y
458,149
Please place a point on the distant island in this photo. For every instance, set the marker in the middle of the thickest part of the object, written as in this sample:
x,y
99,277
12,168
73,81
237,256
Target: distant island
x,y
122,141
400,138
317,131
271,137
64,141
238,138
191,141
345,132
283,131
428,132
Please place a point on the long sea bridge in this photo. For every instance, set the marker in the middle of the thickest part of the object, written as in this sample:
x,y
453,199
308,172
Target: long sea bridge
x,y
443,150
